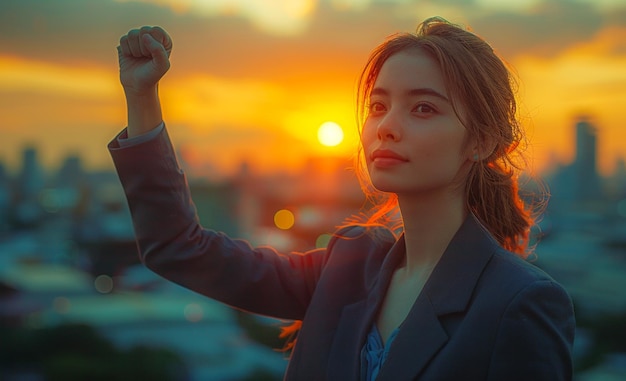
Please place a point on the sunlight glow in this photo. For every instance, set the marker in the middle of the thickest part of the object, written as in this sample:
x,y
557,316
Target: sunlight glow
x,y
330,134
196,99
273,16
314,108
19,74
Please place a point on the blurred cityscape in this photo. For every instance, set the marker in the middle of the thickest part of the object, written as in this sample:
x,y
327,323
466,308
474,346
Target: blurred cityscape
x,y
69,267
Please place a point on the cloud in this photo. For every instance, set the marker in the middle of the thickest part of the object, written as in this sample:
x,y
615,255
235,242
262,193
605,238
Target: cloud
x,y
272,16
71,32
225,59
537,27
199,99
78,32
21,75
545,29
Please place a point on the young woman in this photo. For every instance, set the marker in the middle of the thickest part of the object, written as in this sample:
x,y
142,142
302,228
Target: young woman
x,y
448,298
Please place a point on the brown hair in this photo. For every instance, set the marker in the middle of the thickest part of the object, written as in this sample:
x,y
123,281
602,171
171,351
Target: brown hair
x,y
481,82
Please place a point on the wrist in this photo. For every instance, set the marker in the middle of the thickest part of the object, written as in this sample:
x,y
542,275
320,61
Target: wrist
x,y
144,111
135,95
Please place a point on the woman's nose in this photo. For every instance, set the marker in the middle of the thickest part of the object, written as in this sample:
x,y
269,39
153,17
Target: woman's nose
x,y
389,127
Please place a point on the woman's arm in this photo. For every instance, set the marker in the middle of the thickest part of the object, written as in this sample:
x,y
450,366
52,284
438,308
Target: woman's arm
x,y
170,239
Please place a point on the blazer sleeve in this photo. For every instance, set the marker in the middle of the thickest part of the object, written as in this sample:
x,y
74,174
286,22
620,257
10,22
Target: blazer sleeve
x,y
172,243
536,335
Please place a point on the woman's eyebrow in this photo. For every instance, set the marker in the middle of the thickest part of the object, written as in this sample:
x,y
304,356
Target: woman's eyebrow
x,y
413,92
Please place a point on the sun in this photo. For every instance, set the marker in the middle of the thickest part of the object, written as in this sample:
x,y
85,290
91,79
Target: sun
x,y
330,134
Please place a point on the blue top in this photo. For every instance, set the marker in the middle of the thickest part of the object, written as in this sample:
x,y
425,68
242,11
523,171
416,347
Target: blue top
x,y
374,353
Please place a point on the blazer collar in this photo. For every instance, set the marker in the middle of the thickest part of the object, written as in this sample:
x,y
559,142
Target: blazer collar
x,y
449,289
452,282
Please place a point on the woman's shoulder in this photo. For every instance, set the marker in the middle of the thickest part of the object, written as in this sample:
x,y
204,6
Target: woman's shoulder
x,y
507,261
359,244
377,233
370,237
355,254
513,274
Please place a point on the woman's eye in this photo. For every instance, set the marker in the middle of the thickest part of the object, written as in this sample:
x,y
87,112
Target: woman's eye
x,y
424,108
376,107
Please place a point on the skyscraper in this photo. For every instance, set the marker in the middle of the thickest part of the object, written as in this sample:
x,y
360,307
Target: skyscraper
x,y
30,183
31,177
586,179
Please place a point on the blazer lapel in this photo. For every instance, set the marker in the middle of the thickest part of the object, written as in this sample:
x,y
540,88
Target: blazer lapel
x,y
420,338
356,321
453,280
449,289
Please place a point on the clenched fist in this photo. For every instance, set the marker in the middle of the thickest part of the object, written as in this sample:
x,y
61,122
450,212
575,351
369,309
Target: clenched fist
x,y
143,58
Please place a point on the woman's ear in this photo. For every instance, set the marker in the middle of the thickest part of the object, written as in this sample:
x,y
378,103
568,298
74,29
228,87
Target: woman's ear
x,y
482,148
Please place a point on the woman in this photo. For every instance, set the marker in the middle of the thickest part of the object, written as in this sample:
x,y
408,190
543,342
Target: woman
x,y
450,298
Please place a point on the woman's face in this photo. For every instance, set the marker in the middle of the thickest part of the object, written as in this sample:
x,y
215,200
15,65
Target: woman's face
x,y
412,139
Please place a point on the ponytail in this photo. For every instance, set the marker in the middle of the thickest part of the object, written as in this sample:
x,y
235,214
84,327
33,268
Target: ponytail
x,y
492,194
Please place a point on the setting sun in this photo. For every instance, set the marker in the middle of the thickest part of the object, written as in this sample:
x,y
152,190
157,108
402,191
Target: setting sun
x,y
330,134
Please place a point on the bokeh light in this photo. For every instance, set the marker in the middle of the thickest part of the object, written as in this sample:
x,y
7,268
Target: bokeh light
x,y
193,312
61,304
322,240
284,219
103,284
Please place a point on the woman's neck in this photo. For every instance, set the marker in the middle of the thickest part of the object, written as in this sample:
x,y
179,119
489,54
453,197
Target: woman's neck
x,y
429,225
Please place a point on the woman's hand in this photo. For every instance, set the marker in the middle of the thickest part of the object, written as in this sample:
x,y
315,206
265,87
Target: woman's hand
x,y
143,58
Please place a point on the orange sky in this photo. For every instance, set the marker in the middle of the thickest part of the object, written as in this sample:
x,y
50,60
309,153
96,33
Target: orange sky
x,y
243,87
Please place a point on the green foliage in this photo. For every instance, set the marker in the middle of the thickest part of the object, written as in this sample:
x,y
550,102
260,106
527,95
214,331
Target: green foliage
x,y
609,336
78,352
261,333
262,375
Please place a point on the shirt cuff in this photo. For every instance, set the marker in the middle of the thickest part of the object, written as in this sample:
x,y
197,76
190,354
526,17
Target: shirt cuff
x,y
124,141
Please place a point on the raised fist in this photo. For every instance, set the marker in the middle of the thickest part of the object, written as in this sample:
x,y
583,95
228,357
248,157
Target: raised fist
x,y
143,58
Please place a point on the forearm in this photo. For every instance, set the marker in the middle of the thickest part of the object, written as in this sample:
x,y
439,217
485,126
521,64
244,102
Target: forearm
x,y
144,111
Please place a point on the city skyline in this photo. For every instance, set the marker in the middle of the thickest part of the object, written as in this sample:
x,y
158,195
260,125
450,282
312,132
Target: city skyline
x,y
584,157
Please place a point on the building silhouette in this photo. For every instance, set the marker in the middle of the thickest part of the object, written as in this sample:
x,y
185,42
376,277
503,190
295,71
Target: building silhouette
x,y
30,183
585,175
5,198
578,183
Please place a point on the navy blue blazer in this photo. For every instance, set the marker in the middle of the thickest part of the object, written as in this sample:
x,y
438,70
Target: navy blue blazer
x,y
484,314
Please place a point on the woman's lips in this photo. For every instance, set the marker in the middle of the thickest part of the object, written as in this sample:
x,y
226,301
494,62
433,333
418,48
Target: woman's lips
x,y
384,158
